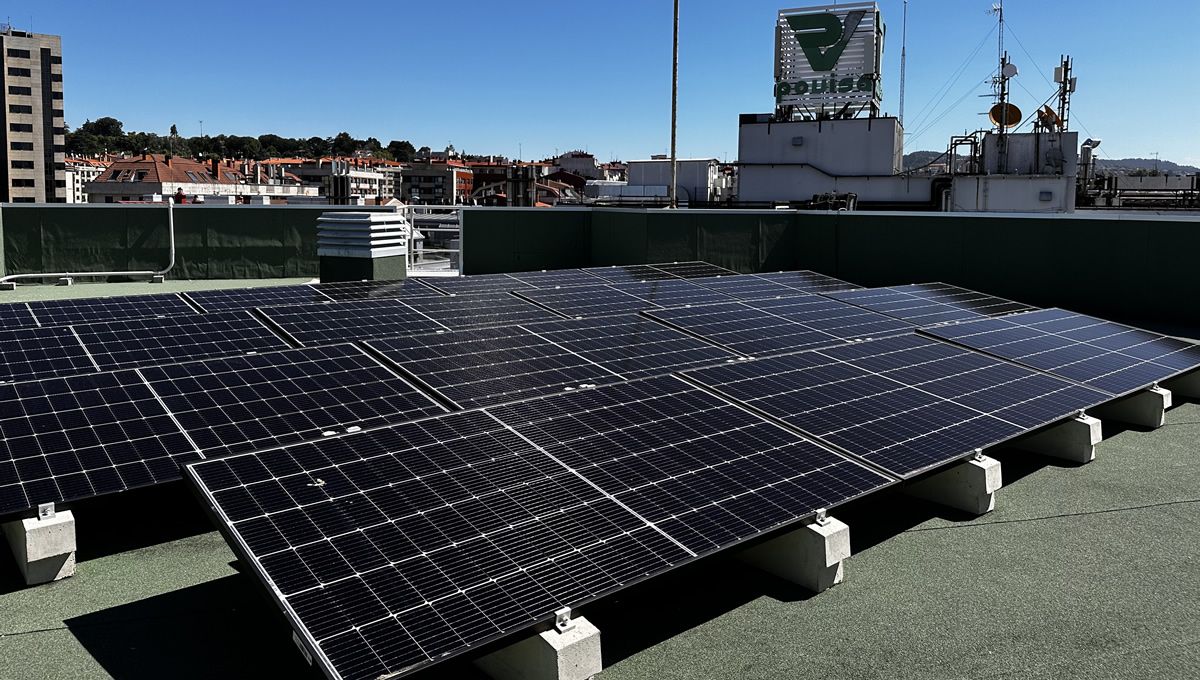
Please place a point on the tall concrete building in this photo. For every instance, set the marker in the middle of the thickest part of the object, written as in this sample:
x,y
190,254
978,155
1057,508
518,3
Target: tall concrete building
x,y
31,121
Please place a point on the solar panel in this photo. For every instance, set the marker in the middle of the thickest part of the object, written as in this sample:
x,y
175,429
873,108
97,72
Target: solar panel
x,y
248,298
395,548
929,303
344,291
746,287
479,311
627,273
905,403
1108,356
491,366
479,283
745,330
129,343
831,316
87,310
587,301
16,315
631,345
807,281
337,322
693,270
671,293
250,402
704,472
27,353
68,438
557,278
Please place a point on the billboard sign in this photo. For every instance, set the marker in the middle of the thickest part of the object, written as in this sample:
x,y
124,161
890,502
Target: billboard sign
x,y
828,57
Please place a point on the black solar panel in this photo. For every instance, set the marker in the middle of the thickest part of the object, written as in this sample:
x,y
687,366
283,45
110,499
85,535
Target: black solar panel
x,y
479,283
557,278
627,273
368,290
671,293
747,287
830,316
399,547
706,473
693,270
962,298
69,438
88,310
492,366
247,298
395,548
631,345
129,343
251,402
748,331
337,322
28,353
588,301
1108,356
16,315
905,403
479,311
929,303
807,281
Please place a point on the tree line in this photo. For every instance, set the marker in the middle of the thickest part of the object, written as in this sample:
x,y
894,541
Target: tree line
x,y
107,135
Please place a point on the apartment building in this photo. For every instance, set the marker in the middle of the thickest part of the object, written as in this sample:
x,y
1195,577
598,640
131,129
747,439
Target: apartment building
x,y
31,120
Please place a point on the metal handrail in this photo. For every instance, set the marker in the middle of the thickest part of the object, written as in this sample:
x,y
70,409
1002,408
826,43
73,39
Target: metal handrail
x,y
152,274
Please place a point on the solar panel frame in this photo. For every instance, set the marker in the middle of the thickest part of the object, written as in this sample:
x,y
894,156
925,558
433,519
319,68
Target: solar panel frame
x,y
465,312
557,278
85,310
581,302
807,281
42,352
234,299
693,269
745,286
671,292
313,325
628,273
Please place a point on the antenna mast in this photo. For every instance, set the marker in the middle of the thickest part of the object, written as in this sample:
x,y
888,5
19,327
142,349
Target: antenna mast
x,y
903,57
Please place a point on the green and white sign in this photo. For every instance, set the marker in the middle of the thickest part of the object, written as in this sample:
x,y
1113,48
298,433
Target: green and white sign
x,y
829,56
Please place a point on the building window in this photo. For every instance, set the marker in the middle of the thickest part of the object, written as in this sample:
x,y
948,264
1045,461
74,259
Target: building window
x,y
60,183
56,113
59,148
23,199
55,60
20,108
24,183
14,89
19,72
20,127
56,77
22,165
21,146
19,54
59,131
56,95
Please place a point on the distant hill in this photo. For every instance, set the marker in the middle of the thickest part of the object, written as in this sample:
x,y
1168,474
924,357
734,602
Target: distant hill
x,y
1118,166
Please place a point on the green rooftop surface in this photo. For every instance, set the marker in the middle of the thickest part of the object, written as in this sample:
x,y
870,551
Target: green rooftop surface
x,y
1082,571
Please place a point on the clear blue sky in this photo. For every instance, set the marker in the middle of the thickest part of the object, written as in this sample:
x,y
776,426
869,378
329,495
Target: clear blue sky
x,y
542,76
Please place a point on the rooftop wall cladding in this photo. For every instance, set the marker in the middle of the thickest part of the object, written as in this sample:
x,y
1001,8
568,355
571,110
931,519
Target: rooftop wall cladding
x,y
1119,265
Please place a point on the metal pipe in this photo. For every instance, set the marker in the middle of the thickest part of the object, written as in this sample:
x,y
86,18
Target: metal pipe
x,y
672,193
163,272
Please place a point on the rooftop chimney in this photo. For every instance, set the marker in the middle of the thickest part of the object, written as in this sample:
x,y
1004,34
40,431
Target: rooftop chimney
x,y
216,167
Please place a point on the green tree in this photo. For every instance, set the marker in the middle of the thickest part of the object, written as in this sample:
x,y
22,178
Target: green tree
x,y
316,147
402,150
344,144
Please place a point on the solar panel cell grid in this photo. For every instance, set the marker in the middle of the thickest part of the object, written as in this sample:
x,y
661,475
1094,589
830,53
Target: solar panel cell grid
x,y
807,281
479,311
67,438
341,321
16,315
748,331
962,298
87,310
628,273
693,270
346,291
248,298
902,305
129,343
30,353
830,316
747,287
479,283
557,278
668,293
588,301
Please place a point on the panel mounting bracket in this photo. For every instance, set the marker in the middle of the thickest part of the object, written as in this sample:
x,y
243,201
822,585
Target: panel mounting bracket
x,y
562,620
821,518
978,455
45,511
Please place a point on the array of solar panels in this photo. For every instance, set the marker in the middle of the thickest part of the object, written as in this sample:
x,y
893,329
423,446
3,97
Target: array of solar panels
x,y
419,467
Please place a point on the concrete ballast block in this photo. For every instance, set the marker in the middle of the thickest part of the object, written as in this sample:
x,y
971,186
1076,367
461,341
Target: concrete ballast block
x,y
969,486
1074,440
572,654
44,548
1147,408
811,556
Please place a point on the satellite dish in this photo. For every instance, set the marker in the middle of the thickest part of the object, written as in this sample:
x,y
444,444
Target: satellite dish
x,y
1049,117
1009,70
1007,115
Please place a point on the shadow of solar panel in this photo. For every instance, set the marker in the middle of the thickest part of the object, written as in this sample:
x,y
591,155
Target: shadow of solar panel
x,y
340,321
234,299
905,403
693,270
631,345
491,366
88,310
16,315
628,273
395,548
480,311
702,470
557,278
671,293
743,329
479,283
251,402
345,291
1108,356
129,343
838,319
70,438
588,301
28,353
807,281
